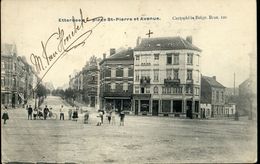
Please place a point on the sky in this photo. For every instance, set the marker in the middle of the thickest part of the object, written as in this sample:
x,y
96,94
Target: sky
x,y
225,43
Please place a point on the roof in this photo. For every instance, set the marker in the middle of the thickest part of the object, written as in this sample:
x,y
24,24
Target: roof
x,y
8,49
212,82
165,43
121,55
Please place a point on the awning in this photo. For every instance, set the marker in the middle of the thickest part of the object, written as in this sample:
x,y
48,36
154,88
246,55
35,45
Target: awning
x,y
117,97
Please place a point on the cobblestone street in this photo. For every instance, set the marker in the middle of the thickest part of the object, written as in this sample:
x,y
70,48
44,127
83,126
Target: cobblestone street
x,y
141,140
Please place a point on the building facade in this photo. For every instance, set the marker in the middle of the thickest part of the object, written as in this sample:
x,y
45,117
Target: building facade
x,y
90,79
213,93
166,77
17,77
116,80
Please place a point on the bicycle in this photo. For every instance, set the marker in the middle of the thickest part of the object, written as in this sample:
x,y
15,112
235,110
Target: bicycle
x,y
52,115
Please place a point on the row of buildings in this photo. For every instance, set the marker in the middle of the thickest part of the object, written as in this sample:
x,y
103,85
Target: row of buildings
x,y
17,77
160,77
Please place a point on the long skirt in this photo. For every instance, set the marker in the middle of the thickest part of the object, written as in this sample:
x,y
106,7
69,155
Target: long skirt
x,y
5,116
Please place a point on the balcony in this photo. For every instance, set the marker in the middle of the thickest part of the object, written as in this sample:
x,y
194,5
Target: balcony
x,y
145,81
171,82
189,81
116,94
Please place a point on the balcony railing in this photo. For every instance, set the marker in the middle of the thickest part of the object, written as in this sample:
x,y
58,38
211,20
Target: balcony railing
x,y
145,80
189,81
171,81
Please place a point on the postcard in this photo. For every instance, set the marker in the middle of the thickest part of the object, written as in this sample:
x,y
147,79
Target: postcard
x,y
98,81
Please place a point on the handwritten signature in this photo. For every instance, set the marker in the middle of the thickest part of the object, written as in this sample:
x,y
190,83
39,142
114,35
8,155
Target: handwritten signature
x,y
64,44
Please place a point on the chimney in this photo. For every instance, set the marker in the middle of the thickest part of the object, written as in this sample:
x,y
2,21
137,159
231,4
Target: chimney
x,y
189,39
104,55
214,77
112,51
138,40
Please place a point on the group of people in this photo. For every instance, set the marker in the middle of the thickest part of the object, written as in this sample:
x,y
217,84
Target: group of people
x,y
111,116
37,112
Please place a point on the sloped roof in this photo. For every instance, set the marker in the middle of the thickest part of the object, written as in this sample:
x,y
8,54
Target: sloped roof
x,y
165,43
124,54
8,49
212,82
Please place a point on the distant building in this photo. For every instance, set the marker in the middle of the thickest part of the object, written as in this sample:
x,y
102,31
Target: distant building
x,y
90,82
116,80
213,94
167,77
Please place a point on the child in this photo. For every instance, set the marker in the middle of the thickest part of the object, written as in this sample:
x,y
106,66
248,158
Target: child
x,y
35,113
109,116
122,116
100,115
5,114
113,115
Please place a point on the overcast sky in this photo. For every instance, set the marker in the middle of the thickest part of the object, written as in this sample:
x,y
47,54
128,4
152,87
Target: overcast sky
x,y
225,43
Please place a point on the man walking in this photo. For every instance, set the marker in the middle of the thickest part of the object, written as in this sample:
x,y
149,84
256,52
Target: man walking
x,y
62,112
45,112
30,110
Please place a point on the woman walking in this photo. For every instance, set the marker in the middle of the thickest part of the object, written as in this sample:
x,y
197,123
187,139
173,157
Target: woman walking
x,y
5,114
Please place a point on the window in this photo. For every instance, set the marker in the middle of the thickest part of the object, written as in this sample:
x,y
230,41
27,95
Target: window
x,y
189,90
189,74
176,59
136,75
163,90
119,71
156,56
156,75
2,81
125,86
137,57
169,73
190,59
142,90
137,90
155,90
196,91
176,74
222,95
217,96
145,60
169,58
147,89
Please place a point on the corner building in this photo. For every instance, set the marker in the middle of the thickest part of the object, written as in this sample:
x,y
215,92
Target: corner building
x,y
166,77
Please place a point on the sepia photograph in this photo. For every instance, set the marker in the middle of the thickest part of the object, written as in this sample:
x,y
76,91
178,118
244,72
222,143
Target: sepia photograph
x,y
141,81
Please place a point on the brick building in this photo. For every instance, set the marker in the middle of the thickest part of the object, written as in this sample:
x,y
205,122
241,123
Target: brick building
x,y
116,80
213,94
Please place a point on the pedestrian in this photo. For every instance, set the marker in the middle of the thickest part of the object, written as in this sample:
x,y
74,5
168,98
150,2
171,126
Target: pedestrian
x,y
113,116
100,113
109,116
40,114
70,113
122,117
5,114
62,112
45,112
75,115
86,116
35,112
236,116
30,110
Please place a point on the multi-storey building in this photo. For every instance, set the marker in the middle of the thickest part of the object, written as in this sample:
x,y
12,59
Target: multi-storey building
x,y
213,94
90,78
167,77
8,75
116,80
17,77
